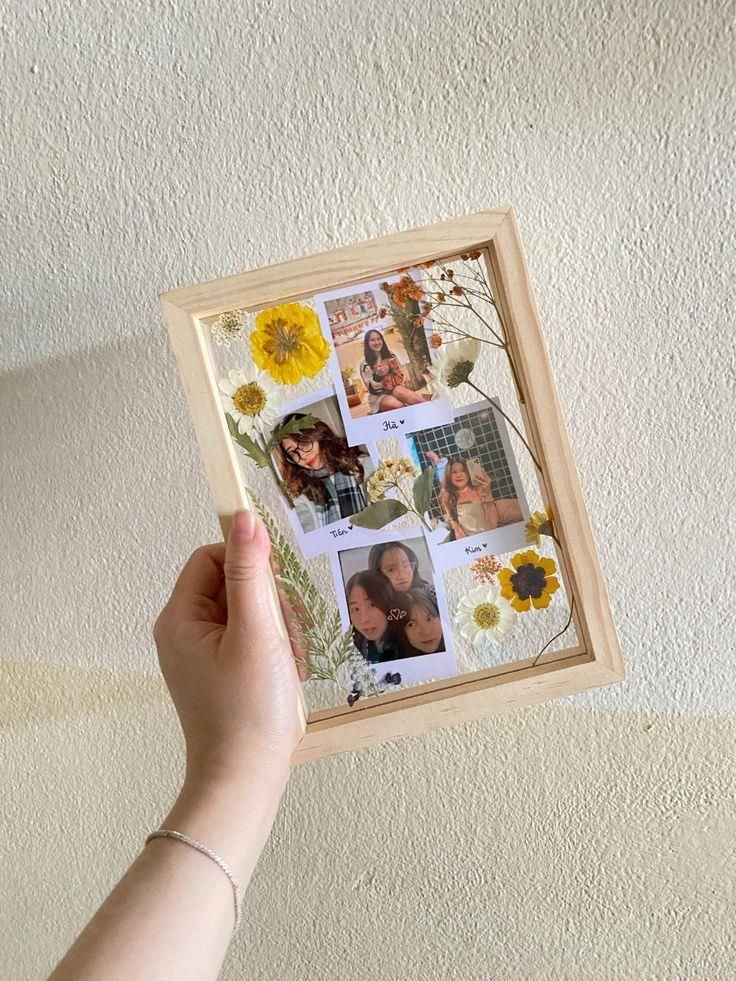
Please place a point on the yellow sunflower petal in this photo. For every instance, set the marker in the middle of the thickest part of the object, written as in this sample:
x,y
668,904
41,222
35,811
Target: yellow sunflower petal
x,y
504,580
540,602
547,564
524,558
520,605
552,584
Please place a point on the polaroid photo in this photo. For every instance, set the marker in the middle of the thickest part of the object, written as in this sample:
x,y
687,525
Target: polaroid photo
x,y
388,592
323,475
380,363
478,504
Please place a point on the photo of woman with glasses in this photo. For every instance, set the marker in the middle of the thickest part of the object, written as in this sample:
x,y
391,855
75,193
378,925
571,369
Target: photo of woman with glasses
x,y
323,476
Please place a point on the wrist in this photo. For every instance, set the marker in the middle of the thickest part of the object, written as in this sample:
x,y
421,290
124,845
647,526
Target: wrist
x,y
232,816
207,776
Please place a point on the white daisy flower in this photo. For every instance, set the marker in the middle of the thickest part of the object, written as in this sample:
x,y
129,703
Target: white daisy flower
x,y
456,360
251,398
484,614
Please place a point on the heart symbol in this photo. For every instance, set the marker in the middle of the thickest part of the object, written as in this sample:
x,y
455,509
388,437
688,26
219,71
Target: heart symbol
x,y
485,544
350,527
401,421
397,614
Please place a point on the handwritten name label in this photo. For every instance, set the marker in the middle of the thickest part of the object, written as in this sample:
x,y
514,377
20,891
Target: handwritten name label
x,y
472,549
337,532
388,424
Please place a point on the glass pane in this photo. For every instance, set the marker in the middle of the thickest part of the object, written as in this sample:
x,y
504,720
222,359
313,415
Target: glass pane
x,y
379,431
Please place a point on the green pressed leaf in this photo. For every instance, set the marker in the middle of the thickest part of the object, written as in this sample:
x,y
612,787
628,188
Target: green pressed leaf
x,y
244,441
291,427
423,491
379,514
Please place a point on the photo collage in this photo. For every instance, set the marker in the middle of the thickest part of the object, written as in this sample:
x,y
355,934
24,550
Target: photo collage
x,y
388,573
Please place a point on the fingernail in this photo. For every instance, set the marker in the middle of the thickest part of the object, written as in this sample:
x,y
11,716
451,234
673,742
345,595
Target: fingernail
x,y
243,527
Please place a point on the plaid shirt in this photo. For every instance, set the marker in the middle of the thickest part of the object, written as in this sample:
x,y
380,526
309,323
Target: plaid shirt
x,y
345,497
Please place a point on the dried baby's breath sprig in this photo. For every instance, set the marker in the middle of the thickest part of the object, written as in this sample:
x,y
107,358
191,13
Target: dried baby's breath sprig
x,y
412,491
227,327
391,473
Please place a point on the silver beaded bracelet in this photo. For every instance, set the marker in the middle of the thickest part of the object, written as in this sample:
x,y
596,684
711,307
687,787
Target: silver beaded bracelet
x,y
166,833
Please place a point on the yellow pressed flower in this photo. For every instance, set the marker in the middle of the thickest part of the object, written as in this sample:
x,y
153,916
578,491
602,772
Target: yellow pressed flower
x,y
531,581
288,343
539,524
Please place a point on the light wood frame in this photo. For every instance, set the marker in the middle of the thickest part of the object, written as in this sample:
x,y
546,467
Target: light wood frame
x,y
596,660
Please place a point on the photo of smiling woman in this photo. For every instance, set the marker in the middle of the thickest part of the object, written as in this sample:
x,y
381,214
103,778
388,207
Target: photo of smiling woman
x,y
417,623
383,377
323,476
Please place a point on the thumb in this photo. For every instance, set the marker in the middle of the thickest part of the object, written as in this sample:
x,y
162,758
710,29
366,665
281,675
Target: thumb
x,y
247,572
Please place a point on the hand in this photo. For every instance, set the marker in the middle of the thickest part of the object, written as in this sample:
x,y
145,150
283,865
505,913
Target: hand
x,y
433,458
381,369
230,671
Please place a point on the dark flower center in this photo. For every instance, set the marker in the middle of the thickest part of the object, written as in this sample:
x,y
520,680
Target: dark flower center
x,y
529,581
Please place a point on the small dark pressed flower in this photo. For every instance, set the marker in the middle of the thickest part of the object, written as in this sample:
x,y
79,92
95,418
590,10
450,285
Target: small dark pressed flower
x,y
353,697
441,297
442,276
392,679
382,312
465,256
457,291
475,255
384,287
450,273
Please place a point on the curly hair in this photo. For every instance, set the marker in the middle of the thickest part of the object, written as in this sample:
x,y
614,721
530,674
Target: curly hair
x,y
337,456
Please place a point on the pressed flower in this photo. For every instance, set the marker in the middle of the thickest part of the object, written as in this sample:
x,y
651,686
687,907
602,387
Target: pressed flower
x,y
406,289
436,340
539,524
391,472
288,343
356,676
457,359
484,615
485,568
250,398
227,327
531,581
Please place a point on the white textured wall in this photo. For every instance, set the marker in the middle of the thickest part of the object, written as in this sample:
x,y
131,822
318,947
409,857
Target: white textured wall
x,y
148,145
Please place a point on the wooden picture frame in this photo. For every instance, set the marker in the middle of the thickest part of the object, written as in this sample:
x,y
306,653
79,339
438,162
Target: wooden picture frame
x,y
596,659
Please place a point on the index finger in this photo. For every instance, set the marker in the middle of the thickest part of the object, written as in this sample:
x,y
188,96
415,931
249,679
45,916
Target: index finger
x,y
202,575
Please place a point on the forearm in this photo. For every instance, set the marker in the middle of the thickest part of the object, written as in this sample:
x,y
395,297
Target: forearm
x,y
172,914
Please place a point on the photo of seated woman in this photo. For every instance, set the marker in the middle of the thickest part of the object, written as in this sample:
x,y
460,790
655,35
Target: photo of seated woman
x,y
381,361
389,596
322,476
478,502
